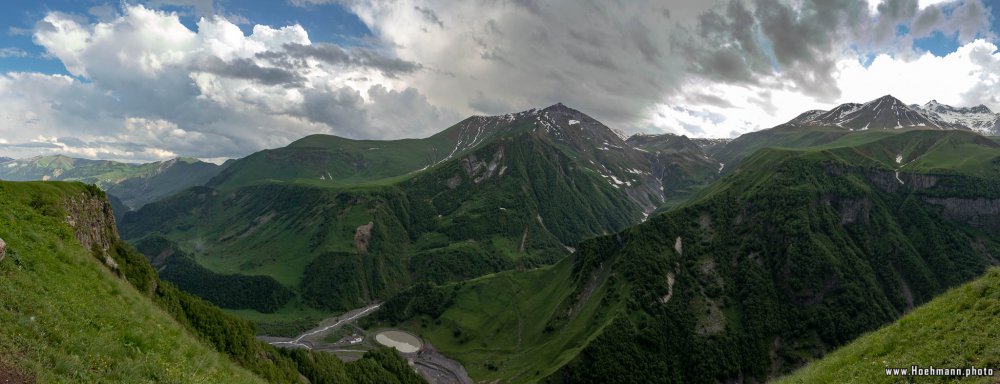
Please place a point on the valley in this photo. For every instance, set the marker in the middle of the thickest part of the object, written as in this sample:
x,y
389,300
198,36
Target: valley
x,y
515,194
500,192
545,247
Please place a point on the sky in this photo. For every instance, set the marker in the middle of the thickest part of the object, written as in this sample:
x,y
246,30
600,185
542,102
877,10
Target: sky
x,y
149,80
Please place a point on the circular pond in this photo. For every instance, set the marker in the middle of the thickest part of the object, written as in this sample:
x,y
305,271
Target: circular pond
x,y
402,341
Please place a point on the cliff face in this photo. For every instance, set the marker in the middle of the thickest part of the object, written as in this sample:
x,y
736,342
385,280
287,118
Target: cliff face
x,y
980,213
890,181
93,221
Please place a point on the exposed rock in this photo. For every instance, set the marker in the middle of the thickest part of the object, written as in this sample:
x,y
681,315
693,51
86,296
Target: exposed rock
x,y
670,288
891,181
362,237
980,213
111,263
92,219
3,249
711,319
854,210
480,170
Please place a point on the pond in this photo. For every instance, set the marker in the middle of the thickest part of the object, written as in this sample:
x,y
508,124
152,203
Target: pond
x,y
402,341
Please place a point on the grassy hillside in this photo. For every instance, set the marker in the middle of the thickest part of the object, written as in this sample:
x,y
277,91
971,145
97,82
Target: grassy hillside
x,y
517,326
335,161
955,330
74,314
68,319
782,136
790,255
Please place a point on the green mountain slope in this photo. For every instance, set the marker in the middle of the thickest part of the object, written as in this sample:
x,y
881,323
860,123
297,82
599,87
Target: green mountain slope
x,y
518,201
955,330
782,136
133,184
80,305
516,326
515,191
788,256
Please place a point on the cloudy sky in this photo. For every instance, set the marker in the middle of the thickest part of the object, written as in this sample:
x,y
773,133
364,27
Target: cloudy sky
x,y
149,80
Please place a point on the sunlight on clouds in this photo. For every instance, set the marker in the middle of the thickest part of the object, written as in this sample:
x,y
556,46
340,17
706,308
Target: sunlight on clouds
x,y
966,77
211,92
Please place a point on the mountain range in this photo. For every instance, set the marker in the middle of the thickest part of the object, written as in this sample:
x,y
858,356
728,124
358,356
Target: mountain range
x,y
544,246
134,185
344,222
887,112
793,253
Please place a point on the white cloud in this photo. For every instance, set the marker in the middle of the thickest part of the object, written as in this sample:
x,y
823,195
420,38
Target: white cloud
x,y
149,87
146,85
967,77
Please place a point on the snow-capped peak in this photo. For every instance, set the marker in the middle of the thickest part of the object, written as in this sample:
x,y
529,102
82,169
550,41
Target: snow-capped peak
x,y
887,112
979,118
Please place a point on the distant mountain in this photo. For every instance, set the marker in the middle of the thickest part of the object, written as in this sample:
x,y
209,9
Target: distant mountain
x,y
343,162
887,112
710,145
134,185
979,118
680,163
817,127
344,221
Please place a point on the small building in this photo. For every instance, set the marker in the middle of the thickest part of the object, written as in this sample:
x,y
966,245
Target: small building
x,y
352,339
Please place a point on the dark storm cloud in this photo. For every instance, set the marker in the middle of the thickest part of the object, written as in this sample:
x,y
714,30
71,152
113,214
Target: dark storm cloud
x,y
249,70
926,21
747,41
704,98
389,112
294,54
891,14
429,15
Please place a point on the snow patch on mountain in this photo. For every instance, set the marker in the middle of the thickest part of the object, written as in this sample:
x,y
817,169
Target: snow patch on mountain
x,y
979,118
887,112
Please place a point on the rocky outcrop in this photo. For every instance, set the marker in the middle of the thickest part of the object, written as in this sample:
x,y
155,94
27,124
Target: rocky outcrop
x,y
854,210
980,213
479,170
92,220
363,236
891,181
3,249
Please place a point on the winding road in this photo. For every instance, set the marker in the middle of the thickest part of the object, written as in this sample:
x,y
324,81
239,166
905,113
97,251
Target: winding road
x,y
305,340
428,362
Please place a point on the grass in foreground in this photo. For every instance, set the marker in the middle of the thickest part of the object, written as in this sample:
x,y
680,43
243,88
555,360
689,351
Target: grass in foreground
x,y
66,318
958,329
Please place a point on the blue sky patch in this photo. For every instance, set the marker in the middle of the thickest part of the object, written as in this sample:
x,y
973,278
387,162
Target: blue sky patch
x,y
18,53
